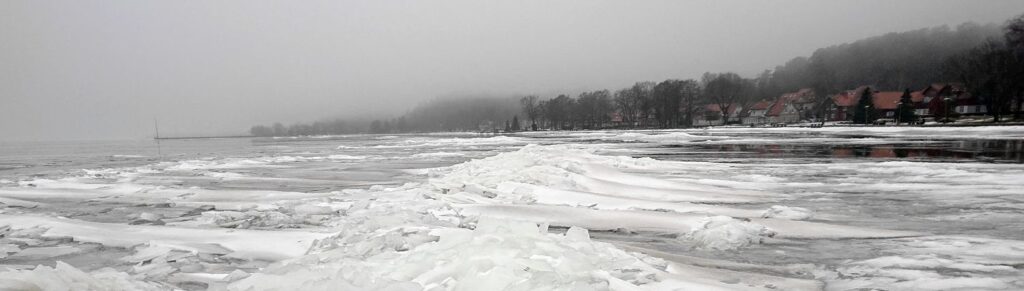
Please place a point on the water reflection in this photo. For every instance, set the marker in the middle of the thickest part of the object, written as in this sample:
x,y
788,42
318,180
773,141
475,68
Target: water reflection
x,y
980,150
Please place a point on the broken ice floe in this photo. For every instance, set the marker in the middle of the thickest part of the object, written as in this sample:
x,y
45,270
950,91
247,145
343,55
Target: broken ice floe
x,y
388,235
497,255
726,233
787,212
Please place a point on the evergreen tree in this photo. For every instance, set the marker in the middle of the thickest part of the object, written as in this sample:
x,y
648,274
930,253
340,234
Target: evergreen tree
x,y
864,113
905,112
515,123
376,127
508,126
402,125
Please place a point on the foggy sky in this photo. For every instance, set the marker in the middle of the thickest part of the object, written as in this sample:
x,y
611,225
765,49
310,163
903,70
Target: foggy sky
x,y
84,69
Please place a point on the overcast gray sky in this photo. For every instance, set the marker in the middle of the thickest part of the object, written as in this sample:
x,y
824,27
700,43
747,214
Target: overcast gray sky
x,y
86,69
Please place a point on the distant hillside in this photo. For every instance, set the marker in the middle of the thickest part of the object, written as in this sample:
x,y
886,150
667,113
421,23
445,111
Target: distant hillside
x,y
461,113
892,61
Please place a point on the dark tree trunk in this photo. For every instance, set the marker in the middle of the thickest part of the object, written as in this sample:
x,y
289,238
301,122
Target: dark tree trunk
x,y
1020,99
689,112
994,108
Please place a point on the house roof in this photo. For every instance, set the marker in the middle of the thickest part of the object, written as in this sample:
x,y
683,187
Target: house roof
x,y
917,96
860,91
715,108
943,88
778,107
883,100
886,100
934,87
761,105
805,95
845,99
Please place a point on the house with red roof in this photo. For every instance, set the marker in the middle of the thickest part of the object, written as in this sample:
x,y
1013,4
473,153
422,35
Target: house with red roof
x,y
843,103
940,96
788,108
885,103
616,117
757,113
713,114
933,91
803,101
783,111
932,101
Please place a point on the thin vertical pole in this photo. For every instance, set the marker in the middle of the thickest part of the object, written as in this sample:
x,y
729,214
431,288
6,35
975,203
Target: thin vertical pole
x,y
156,127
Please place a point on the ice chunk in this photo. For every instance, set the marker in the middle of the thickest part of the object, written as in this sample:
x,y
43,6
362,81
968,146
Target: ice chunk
x,y
66,277
243,244
18,203
726,233
45,252
437,155
236,275
249,219
573,168
670,137
308,209
150,216
7,248
930,262
345,157
497,255
577,234
786,212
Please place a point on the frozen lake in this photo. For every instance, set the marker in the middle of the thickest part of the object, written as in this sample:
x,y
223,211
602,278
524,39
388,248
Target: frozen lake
x,y
721,209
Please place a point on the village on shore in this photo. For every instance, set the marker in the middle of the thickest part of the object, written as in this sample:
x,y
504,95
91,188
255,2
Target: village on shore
x,y
938,104
942,103
877,81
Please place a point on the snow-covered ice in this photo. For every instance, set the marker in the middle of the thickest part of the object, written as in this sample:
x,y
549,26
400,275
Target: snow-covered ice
x,y
705,209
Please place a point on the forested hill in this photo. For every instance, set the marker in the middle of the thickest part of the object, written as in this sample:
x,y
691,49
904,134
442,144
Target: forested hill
x,y
893,61
466,113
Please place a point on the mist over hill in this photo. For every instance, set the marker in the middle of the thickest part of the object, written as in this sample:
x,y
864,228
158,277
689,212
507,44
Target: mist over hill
x,y
893,61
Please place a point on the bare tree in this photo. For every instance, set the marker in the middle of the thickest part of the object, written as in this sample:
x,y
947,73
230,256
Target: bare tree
x,y
728,91
1014,34
558,111
690,92
594,108
643,93
991,71
626,106
635,103
668,96
531,108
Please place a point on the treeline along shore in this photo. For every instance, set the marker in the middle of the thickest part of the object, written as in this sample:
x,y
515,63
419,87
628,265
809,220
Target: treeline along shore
x,y
936,75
